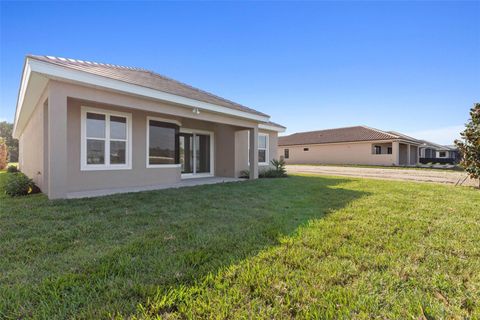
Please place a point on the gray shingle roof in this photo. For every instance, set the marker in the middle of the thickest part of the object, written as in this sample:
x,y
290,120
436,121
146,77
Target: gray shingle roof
x,y
145,78
348,134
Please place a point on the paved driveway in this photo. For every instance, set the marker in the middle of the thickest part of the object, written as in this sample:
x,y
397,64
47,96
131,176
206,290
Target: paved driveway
x,y
424,175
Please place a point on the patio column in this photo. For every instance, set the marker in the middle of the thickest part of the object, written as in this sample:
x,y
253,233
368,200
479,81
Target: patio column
x,y
408,155
253,153
57,142
396,152
418,155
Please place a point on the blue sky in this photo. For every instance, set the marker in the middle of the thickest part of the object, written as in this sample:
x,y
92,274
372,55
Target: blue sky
x,y
412,67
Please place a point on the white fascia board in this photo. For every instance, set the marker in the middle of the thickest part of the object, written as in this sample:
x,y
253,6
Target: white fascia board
x,y
49,69
271,127
21,95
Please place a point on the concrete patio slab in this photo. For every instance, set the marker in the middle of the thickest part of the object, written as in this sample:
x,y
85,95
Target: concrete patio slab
x,y
184,183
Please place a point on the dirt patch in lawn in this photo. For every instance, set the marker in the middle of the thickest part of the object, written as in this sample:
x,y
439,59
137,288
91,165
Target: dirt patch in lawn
x,y
423,175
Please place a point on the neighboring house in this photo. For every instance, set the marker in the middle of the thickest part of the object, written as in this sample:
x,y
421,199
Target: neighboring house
x,y
434,153
86,126
351,145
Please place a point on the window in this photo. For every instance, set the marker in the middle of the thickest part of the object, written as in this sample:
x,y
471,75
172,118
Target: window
x,y
389,150
378,150
305,149
162,144
262,148
442,154
286,153
106,137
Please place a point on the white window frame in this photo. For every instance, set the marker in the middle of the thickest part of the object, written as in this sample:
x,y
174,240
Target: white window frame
x,y
128,143
147,151
267,149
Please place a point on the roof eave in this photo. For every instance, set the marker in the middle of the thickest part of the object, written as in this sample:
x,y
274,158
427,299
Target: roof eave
x,y
272,127
20,96
32,87
59,72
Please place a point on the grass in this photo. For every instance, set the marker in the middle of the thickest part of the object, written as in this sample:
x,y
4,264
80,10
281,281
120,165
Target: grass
x,y
299,247
456,168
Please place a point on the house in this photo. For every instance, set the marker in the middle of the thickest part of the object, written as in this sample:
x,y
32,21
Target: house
x,y
431,152
86,126
350,145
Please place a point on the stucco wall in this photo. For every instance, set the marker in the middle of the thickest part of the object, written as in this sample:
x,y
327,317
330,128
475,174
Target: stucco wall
x,y
348,153
225,151
230,151
413,154
403,154
241,150
139,175
31,145
66,101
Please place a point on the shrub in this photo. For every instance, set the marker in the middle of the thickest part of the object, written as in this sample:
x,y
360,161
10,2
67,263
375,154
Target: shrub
x,y
18,184
279,167
3,154
11,169
277,171
245,174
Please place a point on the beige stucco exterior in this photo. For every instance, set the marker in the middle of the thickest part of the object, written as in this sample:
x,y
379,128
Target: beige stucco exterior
x,y
361,153
32,144
50,144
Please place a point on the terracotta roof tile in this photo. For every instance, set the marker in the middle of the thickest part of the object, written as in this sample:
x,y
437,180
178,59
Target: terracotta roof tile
x,y
348,134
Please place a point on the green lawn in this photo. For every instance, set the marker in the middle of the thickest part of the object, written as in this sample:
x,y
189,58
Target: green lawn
x,y
298,247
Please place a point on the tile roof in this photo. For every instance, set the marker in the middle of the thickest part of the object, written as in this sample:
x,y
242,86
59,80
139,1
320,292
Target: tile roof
x,y
404,136
348,134
433,145
145,78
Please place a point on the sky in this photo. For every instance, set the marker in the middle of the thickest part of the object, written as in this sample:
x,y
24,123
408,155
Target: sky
x,y
412,67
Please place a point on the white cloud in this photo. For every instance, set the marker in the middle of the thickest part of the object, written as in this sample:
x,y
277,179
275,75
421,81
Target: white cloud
x,y
444,136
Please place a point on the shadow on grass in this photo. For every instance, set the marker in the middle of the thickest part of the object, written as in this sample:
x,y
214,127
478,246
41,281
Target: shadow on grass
x,y
95,257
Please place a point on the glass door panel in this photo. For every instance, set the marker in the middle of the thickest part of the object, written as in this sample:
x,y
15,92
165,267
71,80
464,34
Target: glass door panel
x,y
186,152
202,153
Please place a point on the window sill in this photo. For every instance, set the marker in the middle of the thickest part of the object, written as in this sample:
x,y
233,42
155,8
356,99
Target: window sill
x,y
104,168
164,165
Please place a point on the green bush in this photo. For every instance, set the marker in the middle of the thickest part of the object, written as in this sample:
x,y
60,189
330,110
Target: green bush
x,y
11,168
3,154
18,184
245,174
279,167
278,171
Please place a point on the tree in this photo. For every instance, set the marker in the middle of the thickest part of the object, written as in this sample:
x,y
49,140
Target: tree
x,y
3,154
469,145
6,130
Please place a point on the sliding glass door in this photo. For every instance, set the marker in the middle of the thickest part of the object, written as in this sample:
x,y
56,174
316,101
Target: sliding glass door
x,y
195,153
186,152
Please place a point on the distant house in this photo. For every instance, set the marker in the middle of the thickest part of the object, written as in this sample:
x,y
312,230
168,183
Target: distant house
x,y
431,152
351,145
88,128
